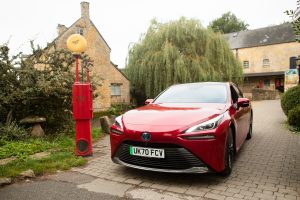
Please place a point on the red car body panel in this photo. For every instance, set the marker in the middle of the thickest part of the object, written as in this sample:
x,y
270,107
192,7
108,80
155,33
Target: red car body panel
x,y
167,122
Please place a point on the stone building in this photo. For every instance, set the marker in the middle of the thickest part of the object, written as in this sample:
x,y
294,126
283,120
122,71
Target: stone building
x,y
266,54
113,86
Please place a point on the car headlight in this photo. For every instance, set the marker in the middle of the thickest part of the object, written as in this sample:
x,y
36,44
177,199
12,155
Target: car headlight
x,y
118,122
118,129
208,125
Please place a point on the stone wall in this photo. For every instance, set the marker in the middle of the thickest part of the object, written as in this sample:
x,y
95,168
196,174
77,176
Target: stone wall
x,y
263,94
278,55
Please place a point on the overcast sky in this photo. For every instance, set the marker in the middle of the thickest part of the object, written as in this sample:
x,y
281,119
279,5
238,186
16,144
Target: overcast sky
x,y
122,22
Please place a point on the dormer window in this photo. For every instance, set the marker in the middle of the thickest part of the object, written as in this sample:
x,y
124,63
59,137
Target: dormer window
x,y
246,64
266,63
79,31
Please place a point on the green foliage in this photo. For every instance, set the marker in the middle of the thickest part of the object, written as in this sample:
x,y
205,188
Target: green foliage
x,y
56,161
39,85
290,99
62,154
294,116
13,132
179,52
21,149
295,21
228,23
116,109
96,134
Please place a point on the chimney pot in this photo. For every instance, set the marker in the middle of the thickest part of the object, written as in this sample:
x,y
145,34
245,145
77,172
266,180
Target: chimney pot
x,y
61,28
85,13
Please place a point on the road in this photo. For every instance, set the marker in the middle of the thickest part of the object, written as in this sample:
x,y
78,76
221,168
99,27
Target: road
x,y
267,167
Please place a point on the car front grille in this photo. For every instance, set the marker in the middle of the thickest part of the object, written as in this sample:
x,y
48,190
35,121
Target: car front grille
x,y
176,157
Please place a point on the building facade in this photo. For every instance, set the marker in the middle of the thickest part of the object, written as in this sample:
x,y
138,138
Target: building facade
x,y
265,54
112,86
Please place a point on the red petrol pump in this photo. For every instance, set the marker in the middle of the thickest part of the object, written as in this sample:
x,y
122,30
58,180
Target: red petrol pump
x,y
82,100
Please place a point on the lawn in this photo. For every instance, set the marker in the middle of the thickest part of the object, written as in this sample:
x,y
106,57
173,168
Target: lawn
x,y
61,149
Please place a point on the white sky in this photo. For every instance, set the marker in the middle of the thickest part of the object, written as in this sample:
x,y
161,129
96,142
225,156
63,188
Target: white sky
x,y
122,22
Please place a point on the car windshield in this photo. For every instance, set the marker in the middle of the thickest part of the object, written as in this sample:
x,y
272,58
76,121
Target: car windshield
x,y
193,93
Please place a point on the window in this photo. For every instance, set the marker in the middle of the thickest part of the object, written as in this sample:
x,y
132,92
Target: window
x,y
246,64
266,62
115,89
194,93
234,94
267,82
79,31
238,91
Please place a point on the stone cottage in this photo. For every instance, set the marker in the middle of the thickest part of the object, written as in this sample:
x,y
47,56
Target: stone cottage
x,y
114,87
265,54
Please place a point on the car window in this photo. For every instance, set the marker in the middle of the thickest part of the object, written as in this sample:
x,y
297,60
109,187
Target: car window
x,y
234,94
240,94
194,93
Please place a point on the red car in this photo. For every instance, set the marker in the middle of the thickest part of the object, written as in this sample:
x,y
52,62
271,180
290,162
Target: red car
x,y
188,128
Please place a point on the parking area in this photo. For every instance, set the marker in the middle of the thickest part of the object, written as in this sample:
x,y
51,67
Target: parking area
x,y
267,167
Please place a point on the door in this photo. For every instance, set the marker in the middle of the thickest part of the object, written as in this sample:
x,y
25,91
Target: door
x,y
241,116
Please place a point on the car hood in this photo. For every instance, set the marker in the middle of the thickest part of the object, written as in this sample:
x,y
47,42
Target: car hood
x,y
172,114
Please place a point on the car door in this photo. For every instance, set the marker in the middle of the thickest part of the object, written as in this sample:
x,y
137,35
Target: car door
x,y
237,114
244,117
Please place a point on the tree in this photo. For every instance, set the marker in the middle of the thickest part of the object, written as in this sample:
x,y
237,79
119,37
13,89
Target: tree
x,y
295,19
179,52
228,23
39,85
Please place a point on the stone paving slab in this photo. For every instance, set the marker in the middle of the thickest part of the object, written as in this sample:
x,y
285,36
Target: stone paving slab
x,y
267,167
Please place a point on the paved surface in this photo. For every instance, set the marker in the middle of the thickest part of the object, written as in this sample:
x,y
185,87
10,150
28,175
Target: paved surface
x,y
58,186
267,167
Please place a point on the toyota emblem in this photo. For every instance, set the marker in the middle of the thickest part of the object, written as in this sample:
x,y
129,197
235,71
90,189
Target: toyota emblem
x,y
146,136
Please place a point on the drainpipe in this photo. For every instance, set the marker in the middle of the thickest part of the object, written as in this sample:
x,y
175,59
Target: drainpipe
x,y
237,53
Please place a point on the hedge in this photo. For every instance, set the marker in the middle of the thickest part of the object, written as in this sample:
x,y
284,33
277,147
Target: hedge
x,y
294,116
290,99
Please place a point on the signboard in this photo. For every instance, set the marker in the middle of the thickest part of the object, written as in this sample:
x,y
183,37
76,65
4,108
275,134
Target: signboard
x,y
291,78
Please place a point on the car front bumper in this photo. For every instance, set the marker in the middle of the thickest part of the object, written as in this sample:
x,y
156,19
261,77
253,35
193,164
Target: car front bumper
x,y
189,170
189,156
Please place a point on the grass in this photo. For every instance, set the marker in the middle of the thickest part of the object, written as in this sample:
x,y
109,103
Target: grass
x,y
61,157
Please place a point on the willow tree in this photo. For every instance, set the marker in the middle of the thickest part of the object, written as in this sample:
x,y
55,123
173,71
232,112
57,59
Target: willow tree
x,y
179,52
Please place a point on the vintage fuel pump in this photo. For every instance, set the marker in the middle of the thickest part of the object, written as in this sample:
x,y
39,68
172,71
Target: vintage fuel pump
x,y
82,100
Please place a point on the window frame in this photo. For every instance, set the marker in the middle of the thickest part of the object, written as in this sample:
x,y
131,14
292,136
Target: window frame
x,y
246,64
266,62
79,31
114,92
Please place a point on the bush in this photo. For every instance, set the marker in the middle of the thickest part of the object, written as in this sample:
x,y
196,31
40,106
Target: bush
x,y
45,92
13,132
290,99
116,109
294,116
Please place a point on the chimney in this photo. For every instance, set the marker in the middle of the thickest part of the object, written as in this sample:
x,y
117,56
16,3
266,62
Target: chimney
x,y
61,28
85,13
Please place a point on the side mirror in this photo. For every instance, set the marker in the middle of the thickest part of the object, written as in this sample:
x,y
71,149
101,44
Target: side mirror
x,y
148,101
243,102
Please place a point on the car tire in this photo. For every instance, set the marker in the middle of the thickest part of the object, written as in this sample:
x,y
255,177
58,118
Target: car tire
x,y
249,134
229,153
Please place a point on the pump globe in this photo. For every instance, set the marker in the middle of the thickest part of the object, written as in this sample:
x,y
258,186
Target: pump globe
x,y
76,43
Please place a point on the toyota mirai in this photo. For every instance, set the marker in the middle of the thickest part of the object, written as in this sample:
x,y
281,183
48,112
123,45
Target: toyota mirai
x,y
188,128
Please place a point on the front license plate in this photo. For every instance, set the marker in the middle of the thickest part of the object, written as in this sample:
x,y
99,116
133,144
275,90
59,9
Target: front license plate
x,y
147,152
